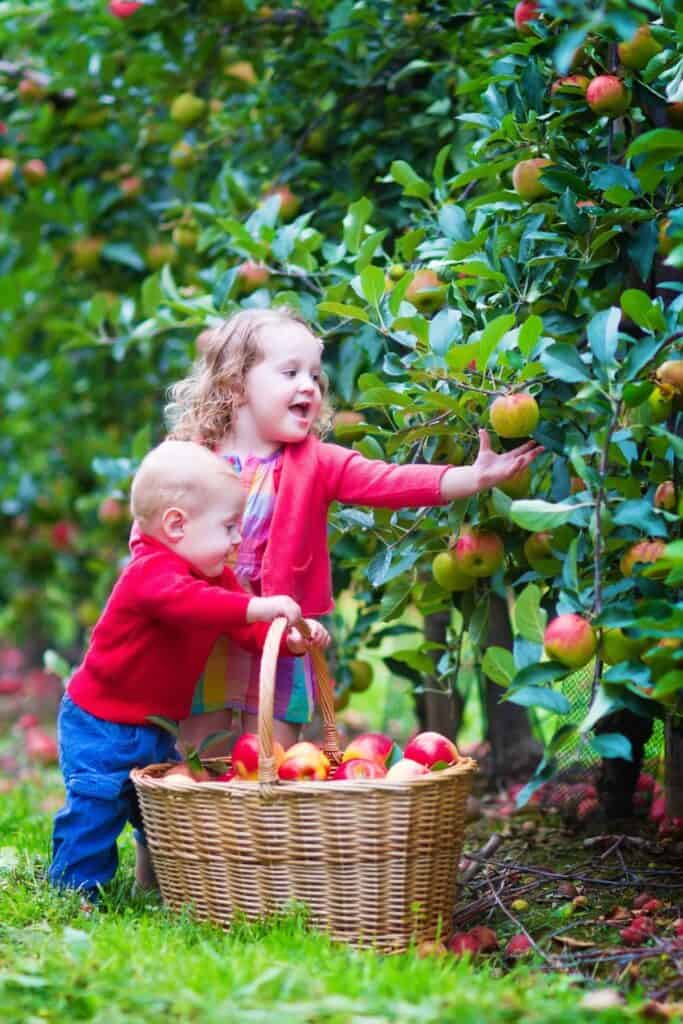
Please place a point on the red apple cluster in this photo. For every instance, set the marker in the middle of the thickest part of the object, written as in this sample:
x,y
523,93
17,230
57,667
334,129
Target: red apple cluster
x,y
370,756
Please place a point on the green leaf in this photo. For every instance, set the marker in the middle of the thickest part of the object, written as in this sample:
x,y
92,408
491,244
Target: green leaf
x,y
164,723
603,704
344,310
540,697
539,673
536,515
354,222
123,253
612,744
58,666
529,333
666,140
603,334
372,284
142,442
491,336
530,618
642,310
499,665
564,363
670,682
412,183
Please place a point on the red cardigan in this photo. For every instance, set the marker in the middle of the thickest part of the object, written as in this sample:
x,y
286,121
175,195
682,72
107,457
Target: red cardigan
x,y
155,635
312,475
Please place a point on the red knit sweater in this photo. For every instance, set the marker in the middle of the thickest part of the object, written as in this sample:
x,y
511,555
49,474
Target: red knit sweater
x,y
155,634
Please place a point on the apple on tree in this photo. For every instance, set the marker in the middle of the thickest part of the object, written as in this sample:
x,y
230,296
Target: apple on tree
x,y
447,574
518,485
478,552
608,95
526,177
570,639
525,12
426,291
514,415
636,52
124,8
644,551
251,276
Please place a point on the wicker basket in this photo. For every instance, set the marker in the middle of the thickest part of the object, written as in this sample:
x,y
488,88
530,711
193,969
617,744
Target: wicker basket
x,y
375,862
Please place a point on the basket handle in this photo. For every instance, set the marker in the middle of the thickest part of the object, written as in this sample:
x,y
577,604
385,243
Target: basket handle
x,y
271,651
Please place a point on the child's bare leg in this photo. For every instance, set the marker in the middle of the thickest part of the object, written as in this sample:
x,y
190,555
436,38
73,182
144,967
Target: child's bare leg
x,y
285,733
144,871
197,727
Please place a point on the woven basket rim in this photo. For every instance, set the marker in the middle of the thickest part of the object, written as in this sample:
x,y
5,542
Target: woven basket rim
x,y
149,777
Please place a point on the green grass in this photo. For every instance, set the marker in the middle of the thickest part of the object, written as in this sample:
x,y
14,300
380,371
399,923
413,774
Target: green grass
x,y
131,961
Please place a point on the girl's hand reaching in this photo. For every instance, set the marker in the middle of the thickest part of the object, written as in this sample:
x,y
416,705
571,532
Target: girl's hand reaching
x,y
299,644
265,609
488,470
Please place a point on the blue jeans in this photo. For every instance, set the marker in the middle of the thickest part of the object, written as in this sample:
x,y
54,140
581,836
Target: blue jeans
x,y
96,758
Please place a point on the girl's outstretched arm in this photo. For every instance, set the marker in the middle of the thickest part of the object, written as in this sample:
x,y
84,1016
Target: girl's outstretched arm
x,y
488,470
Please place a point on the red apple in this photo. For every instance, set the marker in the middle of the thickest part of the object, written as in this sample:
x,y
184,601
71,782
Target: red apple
x,y
63,535
7,169
245,756
10,684
371,746
426,291
406,768
40,746
463,942
111,511
131,187
665,496
486,937
289,202
478,552
304,761
124,8
250,276
519,945
430,749
608,95
637,51
12,659
358,768
570,639
526,177
646,551
514,415
525,11
34,171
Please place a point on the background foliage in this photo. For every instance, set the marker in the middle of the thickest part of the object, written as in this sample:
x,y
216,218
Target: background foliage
x,y
394,128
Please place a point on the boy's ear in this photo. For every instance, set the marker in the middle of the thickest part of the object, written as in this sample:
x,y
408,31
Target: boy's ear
x,y
173,524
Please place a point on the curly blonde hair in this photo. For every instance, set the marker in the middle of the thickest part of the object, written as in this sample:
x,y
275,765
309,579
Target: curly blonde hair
x,y
201,406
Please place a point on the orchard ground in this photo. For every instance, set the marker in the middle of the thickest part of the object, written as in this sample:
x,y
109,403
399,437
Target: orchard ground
x,y
602,914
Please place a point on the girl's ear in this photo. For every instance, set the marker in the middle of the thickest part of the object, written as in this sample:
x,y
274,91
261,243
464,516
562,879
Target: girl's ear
x,y
173,524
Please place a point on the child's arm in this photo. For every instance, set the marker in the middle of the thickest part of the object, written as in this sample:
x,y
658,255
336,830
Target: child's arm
x,y
488,470
355,480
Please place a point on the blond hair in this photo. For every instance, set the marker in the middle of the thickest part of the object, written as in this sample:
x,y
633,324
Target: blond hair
x,y
178,474
202,405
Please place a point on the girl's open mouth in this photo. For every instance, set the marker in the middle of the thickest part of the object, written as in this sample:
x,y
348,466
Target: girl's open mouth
x,y
300,409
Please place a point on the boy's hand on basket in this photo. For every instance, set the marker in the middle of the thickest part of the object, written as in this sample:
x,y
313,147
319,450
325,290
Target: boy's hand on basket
x,y
319,637
265,609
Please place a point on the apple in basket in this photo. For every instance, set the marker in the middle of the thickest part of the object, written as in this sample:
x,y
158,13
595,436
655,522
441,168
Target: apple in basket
x,y
358,768
373,746
432,749
245,756
303,761
183,772
406,769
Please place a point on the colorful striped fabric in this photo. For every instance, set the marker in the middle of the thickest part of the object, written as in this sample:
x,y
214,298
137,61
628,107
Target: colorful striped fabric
x,y
231,675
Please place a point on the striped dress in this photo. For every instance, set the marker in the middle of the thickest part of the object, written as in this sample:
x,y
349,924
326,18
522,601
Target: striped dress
x,y
230,679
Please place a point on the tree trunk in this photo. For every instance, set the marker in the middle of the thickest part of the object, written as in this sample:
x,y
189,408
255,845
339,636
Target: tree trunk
x,y
617,778
514,750
438,709
674,766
